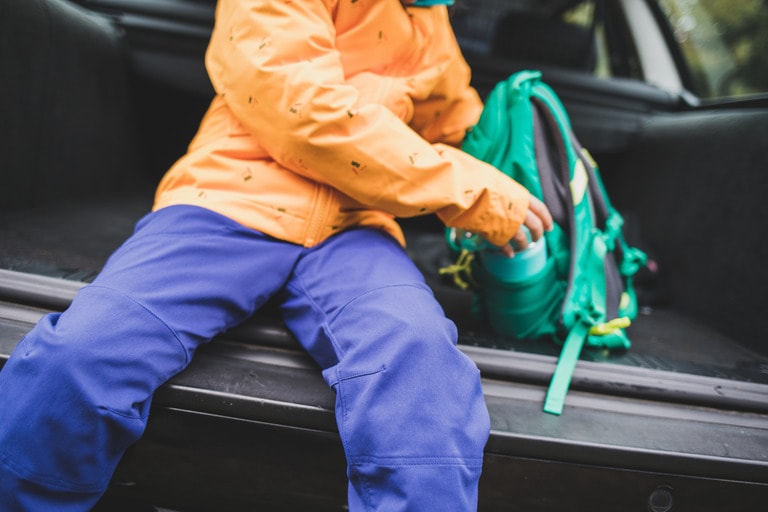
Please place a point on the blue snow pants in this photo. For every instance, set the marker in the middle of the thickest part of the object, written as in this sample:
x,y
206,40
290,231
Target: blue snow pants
x,y
76,392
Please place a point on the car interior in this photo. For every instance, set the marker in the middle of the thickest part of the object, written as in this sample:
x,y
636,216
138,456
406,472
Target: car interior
x,y
97,108
100,97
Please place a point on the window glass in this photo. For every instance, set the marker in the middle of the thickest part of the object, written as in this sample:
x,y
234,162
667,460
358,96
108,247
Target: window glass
x,y
724,44
546,33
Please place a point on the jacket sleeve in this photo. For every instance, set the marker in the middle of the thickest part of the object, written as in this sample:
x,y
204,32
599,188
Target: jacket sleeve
x,y
277,67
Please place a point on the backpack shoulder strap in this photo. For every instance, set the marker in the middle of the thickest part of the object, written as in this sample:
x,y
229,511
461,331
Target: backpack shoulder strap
x,y
561,162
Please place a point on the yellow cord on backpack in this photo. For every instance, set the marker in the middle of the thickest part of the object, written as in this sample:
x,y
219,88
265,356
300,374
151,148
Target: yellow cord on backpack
x,y
463,266
610,327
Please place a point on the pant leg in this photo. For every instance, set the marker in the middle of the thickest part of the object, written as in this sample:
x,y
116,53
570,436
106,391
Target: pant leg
x,y
409,406
77,389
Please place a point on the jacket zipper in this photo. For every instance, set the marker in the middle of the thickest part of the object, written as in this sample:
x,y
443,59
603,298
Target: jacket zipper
x,y
318,214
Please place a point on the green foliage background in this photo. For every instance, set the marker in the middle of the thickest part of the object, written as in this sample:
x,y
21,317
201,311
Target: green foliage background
x,y
725,43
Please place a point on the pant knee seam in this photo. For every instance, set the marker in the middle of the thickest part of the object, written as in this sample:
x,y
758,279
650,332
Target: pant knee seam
x,y
354,299
150,312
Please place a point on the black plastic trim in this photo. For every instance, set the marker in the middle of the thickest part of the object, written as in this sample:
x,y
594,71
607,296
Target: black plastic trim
x,y
596,377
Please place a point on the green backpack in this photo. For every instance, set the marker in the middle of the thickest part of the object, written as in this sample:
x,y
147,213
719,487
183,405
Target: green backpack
x,y
582,294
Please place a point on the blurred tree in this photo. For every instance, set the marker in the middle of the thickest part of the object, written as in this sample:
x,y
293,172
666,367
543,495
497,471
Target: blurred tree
x,y
725,44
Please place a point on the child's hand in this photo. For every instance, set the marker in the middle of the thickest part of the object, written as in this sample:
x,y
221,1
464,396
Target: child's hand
x,y
537,220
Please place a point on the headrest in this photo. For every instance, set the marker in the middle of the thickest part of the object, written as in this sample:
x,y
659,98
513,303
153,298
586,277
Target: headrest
x,y
544,41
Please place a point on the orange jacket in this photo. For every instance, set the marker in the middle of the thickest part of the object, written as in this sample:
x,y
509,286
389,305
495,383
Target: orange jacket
x,y
331,114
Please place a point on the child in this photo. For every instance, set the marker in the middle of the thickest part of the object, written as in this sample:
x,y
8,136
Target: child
x,y
331,118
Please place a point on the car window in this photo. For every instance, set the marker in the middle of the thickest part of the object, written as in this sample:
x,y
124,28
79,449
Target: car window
x,y
723,44
713,48
585,35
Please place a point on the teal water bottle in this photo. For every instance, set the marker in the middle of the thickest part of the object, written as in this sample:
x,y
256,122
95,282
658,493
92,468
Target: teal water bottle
x,y
526,263
519,294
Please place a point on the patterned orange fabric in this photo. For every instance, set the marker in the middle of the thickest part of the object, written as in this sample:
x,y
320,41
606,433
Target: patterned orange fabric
x,y
331,114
